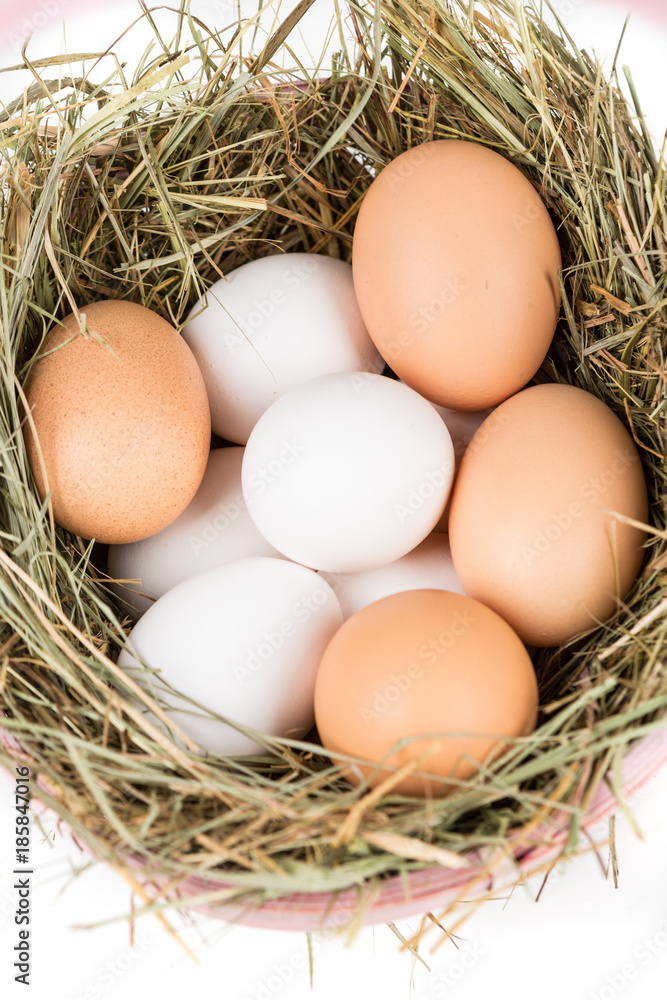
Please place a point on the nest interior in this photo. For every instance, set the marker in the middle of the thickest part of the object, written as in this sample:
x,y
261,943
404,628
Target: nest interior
x,y
149,185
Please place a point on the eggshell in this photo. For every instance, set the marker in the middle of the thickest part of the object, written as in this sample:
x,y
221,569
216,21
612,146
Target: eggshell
x,y
270,325
243,641
122,420
532,525
462,425
456,263
347,472
434,669
428,566
215,528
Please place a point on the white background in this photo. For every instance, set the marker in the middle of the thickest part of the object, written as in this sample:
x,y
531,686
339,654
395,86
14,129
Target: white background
x,y
584,939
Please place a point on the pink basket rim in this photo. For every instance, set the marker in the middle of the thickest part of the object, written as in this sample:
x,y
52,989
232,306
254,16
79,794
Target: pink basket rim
x,y
427,890
424,891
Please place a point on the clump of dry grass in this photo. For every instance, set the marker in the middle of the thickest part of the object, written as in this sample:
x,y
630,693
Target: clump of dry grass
x,y
150,186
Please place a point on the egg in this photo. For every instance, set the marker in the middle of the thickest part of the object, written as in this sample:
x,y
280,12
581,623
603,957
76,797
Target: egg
x,y
428,566
347,472
456,262
270,325
214,528
435,672
462,426
241,642
536,525
121,422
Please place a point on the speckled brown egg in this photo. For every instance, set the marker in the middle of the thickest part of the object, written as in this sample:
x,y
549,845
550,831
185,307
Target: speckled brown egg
x,y
122,421
546,514
434,669
455,265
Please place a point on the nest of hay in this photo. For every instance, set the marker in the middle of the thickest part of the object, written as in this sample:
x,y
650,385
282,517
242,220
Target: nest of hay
x,y
148,183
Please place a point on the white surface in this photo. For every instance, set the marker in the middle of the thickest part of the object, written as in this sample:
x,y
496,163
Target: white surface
x,y
584,940
242,640
215,528
596,25
348,472
582,934
270,325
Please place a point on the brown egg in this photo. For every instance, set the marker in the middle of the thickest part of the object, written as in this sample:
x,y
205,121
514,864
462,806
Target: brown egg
x,y
455,263
424,663
122,421
530,524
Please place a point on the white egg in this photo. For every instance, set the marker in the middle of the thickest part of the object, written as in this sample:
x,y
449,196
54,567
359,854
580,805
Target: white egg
x,y
428,567
215,528
242,641
461,426
270,325
348,472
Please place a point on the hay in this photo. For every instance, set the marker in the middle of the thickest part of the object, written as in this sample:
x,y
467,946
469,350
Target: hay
x,y
148,187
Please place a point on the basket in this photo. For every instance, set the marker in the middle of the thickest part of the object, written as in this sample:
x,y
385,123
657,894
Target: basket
x,y
96,204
